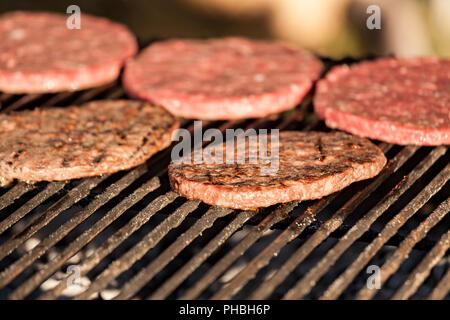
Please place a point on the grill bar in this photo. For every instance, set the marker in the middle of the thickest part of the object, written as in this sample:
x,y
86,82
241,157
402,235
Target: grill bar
x,y
402,252
292,232
112,215
14,193
388,231
298,115
277,215
23,101
72,197
138,251
113,190
4,97
59,98
172,251
50,190
240,219
442,289
110,244
421,272
331,225
310,279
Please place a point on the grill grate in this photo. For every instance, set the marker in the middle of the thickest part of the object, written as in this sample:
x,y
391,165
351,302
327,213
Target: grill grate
x,y
131,237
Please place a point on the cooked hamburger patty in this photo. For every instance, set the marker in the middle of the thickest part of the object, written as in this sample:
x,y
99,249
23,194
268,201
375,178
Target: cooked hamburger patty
x,y
402,101
39,54
96,138
311,165
220,79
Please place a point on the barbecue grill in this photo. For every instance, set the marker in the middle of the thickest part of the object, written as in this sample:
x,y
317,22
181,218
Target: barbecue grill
x,y
127,235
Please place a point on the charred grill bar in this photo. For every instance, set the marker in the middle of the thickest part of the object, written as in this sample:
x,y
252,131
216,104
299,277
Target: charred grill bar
x,y
132,237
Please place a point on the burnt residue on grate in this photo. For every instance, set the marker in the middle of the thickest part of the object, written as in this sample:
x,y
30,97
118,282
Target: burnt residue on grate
x,y
128,235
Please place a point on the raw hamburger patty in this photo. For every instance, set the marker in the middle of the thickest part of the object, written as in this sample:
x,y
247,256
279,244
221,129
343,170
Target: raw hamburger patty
x,y
221,79
402,101
39,54
311,165
96,138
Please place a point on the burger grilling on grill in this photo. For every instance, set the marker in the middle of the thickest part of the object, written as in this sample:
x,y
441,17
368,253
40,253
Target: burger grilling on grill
x,y
402,101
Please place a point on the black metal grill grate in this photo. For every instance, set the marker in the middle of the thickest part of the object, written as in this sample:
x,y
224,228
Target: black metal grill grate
x,y
131,237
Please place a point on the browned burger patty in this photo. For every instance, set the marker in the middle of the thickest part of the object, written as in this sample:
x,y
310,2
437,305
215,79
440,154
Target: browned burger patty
x,y
311,165
96,138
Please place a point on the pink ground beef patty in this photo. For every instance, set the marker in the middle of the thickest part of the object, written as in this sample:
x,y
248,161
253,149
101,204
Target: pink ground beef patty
x,y
39,54
221,79
401,101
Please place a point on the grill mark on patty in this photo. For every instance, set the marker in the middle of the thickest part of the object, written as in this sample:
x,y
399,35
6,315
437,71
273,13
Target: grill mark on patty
x,y
67,160
144,141
320,149
18,153
98,158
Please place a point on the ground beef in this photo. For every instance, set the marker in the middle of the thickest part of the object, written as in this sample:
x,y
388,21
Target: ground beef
x,y
221,79
39,54
96,138
401,101
311,165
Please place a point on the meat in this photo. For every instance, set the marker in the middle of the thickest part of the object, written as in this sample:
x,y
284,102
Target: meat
x,y
96,138
219,79
401,101
310,165
39,54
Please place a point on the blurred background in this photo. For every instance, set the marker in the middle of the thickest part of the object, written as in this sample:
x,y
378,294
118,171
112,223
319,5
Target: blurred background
x,y
330,28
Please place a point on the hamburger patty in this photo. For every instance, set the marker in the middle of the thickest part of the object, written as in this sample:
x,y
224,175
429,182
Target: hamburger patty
x,y
310,165
96,138
221,79
402,101
39,54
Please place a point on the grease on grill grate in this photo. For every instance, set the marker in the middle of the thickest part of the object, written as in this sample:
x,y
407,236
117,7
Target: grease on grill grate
x,y
128,236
